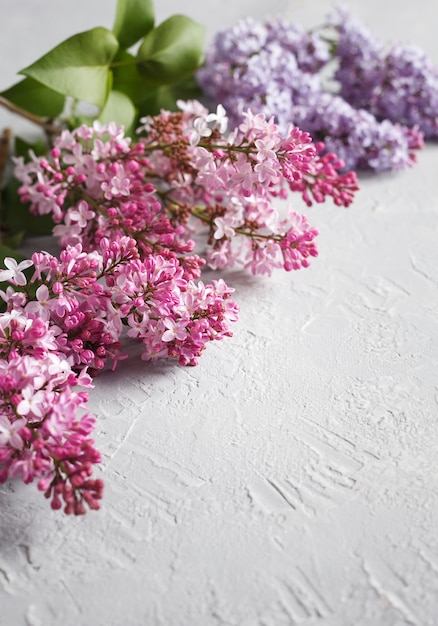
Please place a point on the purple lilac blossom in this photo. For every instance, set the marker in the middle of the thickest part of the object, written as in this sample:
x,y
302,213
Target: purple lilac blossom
x,y
355,135
273,78
360,58
310,50
400,86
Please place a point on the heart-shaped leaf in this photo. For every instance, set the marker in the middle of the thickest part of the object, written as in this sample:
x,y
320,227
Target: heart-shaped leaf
x,y
14,241
134,19
16,217
126,77
35,98
79,66
119,109
166,96
172,51
22,147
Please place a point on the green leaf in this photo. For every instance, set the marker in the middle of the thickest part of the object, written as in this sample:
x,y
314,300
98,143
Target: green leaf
x,y
79,66
15,240
172,51
159,98
22,147
16,216
35,97
165,97
4,252
187,89
126,78
78,120
7,251
119,109
134,19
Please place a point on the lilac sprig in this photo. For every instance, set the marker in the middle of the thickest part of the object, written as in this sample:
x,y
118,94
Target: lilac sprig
x,y
356,136
125,213
186,173
400,85
44,427
62,325
272,68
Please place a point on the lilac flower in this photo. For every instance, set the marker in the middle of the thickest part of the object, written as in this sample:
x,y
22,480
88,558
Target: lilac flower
x,y
218,119
309,49
10,432
400,86
279,79
14,273
200,129
225,182
174,330
31,402
239,43
82,213
223,228
130,262
355,135
360,58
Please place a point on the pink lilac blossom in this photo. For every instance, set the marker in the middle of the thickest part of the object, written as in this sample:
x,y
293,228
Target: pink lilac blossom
x,y
273,68
89,298
183,174
59,338
125,213
44,428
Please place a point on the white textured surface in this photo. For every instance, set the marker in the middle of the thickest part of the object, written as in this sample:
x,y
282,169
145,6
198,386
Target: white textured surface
x,y
291,478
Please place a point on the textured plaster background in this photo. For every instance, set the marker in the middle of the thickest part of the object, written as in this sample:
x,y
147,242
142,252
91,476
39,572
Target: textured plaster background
x,y
291,478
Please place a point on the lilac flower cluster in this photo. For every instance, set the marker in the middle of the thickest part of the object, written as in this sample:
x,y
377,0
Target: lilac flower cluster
x,y
125,213
273,68
53,340
182,174
400,85
44,432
